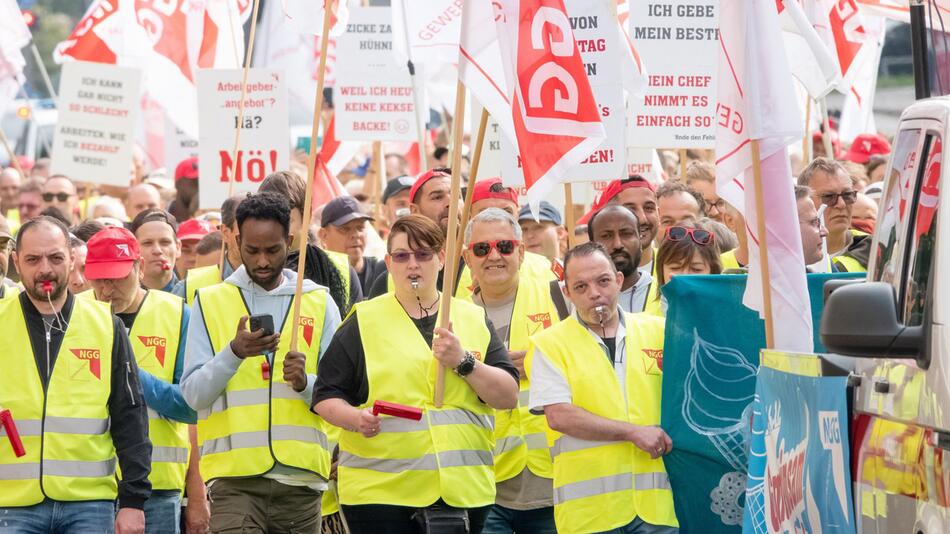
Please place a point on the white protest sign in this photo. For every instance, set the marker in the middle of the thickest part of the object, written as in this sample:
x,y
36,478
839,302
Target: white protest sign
x,y
372,97
265,145
678,45
96,127
490,161
179,145
598,41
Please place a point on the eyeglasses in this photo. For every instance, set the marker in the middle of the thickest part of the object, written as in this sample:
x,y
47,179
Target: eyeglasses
x,y
698,235
6,243
720,205
421,256
831,199
505,247
61,197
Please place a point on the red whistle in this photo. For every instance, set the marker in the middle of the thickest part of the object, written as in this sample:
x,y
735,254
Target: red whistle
x,y
265,370
397,410
47,286
166,266
10,428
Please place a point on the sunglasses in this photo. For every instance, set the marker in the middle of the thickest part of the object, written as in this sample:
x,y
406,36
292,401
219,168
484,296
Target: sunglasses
x,y
698,235
505,247
720,205
421,256
831,199
61,197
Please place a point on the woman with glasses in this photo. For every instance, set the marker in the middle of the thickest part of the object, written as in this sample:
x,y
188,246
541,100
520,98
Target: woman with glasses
x,y
397,474
686,249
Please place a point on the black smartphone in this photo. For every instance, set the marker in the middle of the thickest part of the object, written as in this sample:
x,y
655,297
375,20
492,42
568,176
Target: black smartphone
x,y
266,322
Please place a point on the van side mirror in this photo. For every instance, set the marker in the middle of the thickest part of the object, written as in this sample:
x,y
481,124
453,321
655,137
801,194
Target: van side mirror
x,y
860,319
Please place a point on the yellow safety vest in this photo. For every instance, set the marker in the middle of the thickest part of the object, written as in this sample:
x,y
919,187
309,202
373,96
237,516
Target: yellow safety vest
x,y
155,337
534,266
10,292
198,278
256,421
13,220
342,263
603,485
848,264
330,502
88,294
64,428
520,437
729,261
448,454
652,304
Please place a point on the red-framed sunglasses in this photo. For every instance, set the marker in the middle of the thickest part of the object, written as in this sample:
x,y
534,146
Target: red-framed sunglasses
x,y
505,247
698,235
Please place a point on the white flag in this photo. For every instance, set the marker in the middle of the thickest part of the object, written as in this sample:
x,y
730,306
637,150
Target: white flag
x,y
857,113
14,35
810,59
306,16
427,31
755,103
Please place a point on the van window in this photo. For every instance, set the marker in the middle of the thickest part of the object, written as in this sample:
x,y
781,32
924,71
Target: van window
x,y
923,238
892,223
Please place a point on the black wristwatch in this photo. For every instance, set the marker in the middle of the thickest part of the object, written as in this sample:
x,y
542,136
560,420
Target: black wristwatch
x,y
466,366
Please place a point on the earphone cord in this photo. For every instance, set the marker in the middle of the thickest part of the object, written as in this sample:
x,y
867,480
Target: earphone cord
x,y
61,324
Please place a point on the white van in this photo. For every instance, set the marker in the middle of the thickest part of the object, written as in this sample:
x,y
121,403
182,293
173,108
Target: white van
x,y
29,125
894,325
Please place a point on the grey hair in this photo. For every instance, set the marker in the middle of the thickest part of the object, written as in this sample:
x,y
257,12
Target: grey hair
x,y
493,215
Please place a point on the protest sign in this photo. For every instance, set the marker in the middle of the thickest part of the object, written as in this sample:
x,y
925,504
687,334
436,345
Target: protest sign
x,y
265,143
709,377
96,127
799,468
373,95
178,145
598,41
678,45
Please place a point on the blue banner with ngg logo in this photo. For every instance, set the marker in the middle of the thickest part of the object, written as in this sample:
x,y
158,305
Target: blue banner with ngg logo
x,y
799,468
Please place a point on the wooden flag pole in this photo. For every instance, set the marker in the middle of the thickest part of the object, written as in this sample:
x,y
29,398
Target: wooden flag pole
x,y
569,219
806,140
763,248
451,239
826,135
311,166
470,190
13,161
240,120
44,74
682,153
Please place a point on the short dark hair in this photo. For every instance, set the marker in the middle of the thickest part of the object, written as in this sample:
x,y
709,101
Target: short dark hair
x,y
590,222
589,248
209,243
672,187
440,152
152,215
229,210
287,184
265,206
677,252
421,232
86,229
42,219
823,164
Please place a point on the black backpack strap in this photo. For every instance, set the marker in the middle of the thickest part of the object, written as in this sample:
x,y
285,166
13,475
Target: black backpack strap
x,y
558,298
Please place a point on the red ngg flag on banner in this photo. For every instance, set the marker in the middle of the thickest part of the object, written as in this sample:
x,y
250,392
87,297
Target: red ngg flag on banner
x,y
555,119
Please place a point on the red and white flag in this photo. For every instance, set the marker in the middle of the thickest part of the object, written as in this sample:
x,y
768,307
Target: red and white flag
x,y
337,153
326,186
426,31
755,90
840,25
857,113
811,60
14,35
306,16
532,64
634,75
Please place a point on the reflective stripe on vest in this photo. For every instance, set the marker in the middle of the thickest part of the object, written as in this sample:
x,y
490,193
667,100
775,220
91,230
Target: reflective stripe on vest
x,y
200,277
533,311
156,336
69,452
602,485
256,422
448,454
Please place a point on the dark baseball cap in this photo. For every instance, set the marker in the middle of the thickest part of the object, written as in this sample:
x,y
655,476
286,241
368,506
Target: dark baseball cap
x,y
397,185
546,213
342,210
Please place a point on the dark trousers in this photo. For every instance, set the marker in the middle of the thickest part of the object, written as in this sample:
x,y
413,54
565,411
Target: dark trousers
x,y
503,520
387,519
249,505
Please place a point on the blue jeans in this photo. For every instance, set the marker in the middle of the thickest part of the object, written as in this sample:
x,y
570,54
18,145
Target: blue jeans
x,y
163,512
638,526
503,520
56,517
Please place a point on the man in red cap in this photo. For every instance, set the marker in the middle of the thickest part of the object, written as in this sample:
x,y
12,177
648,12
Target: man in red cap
x,y
186,190
866,145
157,323
430,196
491,193
638,195
190,233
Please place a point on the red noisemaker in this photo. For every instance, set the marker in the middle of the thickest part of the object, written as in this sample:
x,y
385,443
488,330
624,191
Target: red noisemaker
x,y
166,266
10,428
397,410
47,286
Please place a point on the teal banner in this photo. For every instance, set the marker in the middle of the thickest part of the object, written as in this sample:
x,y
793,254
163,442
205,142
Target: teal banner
x,y
710,361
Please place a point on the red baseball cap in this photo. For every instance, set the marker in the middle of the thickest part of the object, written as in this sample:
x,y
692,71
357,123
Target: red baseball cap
x,y
194,229
612,190
493,188
421,181
110,254
866,145
187,170
816,137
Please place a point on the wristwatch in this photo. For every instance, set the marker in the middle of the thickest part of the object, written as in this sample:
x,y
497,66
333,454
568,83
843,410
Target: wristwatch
x,y
466,366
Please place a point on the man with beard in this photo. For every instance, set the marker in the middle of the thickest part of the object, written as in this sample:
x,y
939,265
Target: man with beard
x,y
263,452
615,227
77,401
639,196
